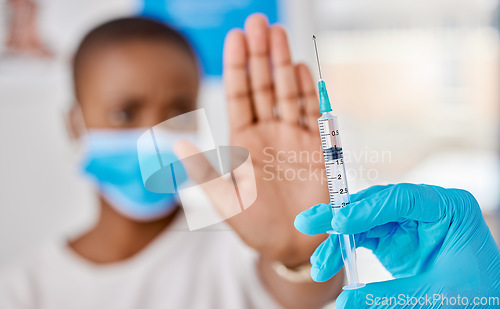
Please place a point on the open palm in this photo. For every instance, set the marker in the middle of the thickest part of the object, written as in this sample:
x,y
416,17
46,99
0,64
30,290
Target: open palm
x,y
273,111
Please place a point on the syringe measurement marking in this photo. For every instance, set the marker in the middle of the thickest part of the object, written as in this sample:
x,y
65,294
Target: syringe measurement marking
x,y
333,156
334,153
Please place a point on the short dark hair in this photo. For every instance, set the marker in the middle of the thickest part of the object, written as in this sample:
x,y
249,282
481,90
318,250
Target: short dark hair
x,y
124,30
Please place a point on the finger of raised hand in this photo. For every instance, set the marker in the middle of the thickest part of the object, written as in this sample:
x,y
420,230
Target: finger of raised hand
x,y
285,81
307,92
236,81
257,37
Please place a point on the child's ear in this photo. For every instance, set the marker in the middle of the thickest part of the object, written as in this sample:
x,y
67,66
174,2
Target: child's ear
x,y
75,125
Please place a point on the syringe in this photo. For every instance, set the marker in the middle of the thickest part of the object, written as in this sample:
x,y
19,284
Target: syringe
x,y
336,177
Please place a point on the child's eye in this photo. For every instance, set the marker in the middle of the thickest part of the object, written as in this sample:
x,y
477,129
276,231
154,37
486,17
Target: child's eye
x,y
121,117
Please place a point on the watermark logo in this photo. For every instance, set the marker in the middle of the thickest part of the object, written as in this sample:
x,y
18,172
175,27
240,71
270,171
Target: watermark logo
x,y
431,300
309,166
163,172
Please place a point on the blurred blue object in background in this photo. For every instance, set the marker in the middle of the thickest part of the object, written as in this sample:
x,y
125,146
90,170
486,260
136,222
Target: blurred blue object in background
x,y
205,23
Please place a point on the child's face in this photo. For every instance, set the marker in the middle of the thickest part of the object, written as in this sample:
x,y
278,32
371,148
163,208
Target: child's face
x,y
137,84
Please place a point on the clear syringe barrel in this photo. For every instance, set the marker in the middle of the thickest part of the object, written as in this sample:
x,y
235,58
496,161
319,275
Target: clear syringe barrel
x,y
338,190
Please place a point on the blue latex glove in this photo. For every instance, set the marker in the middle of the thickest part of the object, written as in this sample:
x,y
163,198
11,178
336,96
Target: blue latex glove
x,y
433,241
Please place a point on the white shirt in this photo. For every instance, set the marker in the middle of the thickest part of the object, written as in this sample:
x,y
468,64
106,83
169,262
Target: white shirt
x,y
179,269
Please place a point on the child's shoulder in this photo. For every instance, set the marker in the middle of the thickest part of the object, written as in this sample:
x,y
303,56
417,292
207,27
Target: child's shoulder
x,y
28,264
18,276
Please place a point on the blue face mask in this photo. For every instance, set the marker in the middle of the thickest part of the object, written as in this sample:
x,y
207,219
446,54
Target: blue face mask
x,y
111,161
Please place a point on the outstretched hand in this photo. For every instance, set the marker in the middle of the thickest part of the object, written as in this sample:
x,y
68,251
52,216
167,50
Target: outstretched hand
x,y
273,110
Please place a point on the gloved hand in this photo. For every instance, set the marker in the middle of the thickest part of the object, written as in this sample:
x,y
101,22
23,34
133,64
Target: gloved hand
x,y
433,240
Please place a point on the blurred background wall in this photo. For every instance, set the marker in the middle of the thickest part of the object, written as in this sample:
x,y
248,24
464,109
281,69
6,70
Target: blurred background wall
x,y
415,84
417,87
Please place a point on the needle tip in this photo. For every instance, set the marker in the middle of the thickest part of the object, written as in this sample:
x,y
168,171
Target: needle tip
x,y
317,57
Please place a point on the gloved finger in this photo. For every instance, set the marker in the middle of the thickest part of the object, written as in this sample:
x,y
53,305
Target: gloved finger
x,y
371,238
393,204
315,220
368,243
326,260
373,294
367,192
381,231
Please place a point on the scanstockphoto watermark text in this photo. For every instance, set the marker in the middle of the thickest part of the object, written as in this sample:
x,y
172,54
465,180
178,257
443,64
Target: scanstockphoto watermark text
x,y
307,166
432,300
